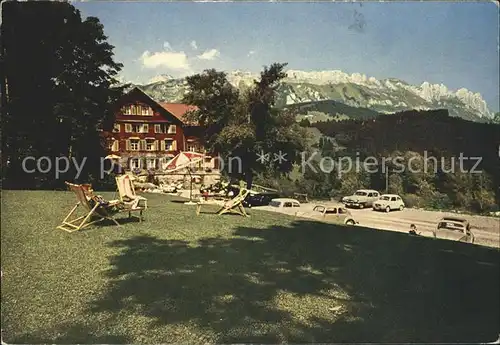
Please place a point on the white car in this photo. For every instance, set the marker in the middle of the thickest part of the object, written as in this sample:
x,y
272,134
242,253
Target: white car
x,y
389,202
281,205
284,203
361,198
330,213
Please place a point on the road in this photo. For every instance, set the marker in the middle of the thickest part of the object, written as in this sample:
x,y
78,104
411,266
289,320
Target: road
x,y
486,229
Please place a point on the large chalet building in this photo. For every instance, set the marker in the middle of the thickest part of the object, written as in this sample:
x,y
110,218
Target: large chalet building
x,y
147,134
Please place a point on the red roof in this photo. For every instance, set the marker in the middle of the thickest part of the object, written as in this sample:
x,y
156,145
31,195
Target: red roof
x,y
178,109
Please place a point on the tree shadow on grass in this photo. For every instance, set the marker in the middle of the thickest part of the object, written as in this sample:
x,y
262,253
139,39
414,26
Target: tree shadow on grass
x,y
310,282
69,333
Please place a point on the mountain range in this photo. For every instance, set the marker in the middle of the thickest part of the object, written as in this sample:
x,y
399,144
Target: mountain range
x,y
335,93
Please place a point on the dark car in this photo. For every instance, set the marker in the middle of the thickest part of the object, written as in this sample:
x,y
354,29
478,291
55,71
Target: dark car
x,y
260,199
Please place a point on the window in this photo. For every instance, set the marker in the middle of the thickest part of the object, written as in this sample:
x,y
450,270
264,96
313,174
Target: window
x,y
163,128
151,163
275,204
370,195
331,211
146,111
191,147
319,209
393,198
169,145
115,145
136,109
140,128
287,204
172,129
360,193
127,110
150,145
116,128
135,163
296,204
134,144
128,128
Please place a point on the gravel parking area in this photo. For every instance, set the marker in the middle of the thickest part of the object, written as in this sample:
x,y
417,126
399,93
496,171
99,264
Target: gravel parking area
x,y
486,229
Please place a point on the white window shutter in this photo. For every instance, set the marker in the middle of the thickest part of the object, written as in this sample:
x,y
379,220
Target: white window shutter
x,y
145,128
127,145
143,145
157,146
157,129
162,145
174,145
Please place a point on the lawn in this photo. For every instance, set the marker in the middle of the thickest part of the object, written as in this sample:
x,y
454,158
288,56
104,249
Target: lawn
x,y
227,279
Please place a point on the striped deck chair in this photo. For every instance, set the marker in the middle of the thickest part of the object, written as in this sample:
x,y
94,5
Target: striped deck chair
x,y
97,209
234,205
126,190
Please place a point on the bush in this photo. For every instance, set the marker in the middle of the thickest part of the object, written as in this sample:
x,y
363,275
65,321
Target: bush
x,y
412,200
439,201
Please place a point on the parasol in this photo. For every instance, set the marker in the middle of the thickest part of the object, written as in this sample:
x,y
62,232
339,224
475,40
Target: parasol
x,y
185,160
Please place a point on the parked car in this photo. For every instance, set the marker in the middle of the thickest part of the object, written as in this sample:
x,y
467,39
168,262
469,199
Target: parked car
x,y
284,203
389,202
330,213
361,198
259,199
455,229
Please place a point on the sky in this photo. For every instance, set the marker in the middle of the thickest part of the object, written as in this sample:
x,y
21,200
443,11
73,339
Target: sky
x,y
452,43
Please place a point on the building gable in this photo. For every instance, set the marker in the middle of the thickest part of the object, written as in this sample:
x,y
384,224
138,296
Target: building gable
x,y
135,96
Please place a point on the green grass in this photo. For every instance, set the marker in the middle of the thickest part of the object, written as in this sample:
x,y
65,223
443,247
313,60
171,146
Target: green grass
x,y
265,279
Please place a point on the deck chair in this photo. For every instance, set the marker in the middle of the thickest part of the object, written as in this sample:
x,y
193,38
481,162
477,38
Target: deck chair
x,y
126,190
234,205
96,208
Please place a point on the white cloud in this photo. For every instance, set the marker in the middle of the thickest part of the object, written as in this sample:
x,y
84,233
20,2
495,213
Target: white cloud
x,y
194,45
251,52
211,54
172,60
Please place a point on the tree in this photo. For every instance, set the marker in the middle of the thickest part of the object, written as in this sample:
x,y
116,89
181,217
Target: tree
x,y
246,124
54,104
305,122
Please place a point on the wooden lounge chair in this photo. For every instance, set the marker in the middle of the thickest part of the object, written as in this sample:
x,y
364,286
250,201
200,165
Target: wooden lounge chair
x,y
96,208
234,205
126,190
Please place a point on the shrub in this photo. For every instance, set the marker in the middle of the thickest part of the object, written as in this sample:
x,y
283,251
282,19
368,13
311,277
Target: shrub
x,y
412,200
439,201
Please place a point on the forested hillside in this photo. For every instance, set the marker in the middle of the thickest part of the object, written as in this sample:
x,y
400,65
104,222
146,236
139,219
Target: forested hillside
x,y
422,134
